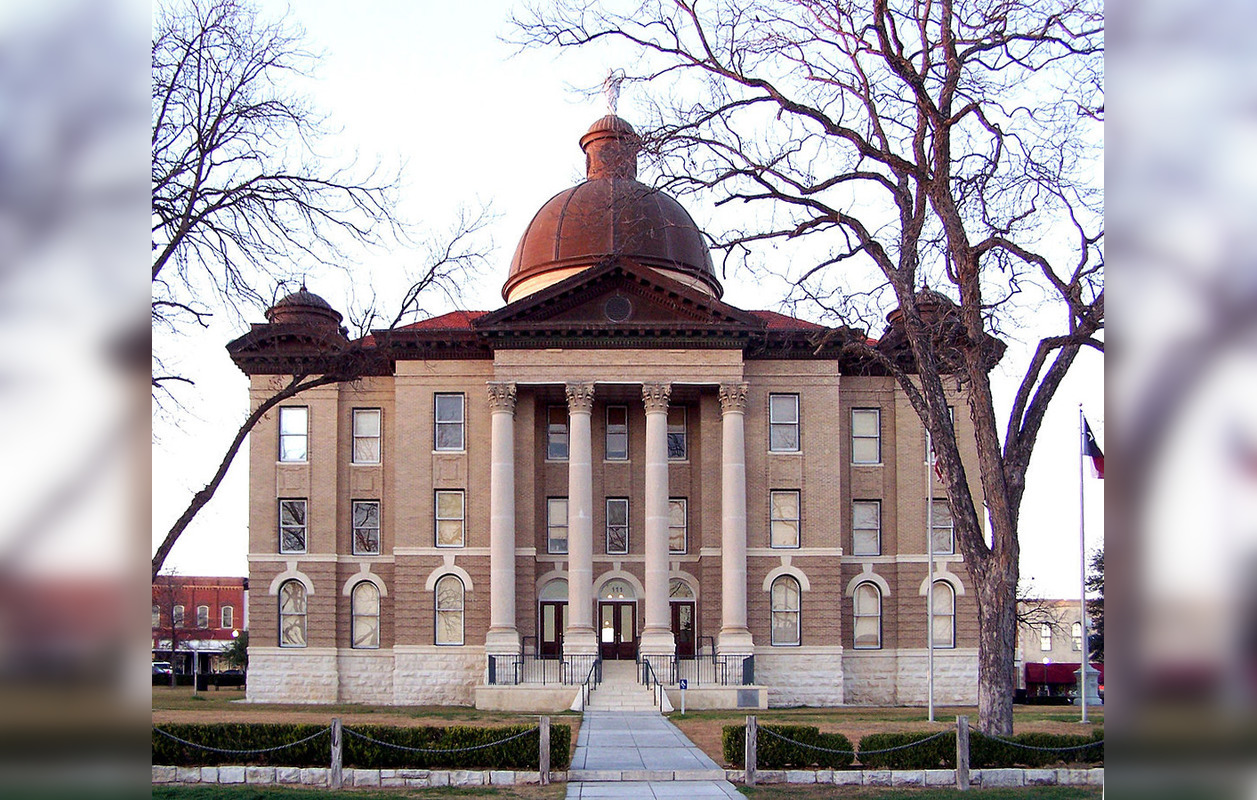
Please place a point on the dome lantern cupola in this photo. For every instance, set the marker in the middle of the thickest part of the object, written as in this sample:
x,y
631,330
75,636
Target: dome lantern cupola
x,y
610,215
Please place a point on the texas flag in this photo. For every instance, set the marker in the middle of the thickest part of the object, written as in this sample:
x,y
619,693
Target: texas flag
x,y
1092,450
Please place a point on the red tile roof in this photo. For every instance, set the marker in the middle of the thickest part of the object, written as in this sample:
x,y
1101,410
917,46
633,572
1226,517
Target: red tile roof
x,y
781,322
460,320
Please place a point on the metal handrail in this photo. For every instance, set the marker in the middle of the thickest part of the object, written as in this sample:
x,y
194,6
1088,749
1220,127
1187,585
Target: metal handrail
x,y
591,681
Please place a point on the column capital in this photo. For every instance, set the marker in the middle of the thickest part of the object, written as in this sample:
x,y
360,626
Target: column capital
x,y
655,396
733,398
501,396
580,397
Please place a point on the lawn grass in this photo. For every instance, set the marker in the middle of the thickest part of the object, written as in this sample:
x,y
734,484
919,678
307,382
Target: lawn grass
x,y
554,791
876,793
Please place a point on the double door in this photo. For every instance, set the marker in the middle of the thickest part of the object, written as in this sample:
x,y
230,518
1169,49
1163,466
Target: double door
x,y
617,630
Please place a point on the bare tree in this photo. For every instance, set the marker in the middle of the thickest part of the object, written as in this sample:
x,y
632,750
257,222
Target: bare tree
x,y
240,192
949,144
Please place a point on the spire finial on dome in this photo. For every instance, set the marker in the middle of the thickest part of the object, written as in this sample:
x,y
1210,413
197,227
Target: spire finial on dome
x,y
611,89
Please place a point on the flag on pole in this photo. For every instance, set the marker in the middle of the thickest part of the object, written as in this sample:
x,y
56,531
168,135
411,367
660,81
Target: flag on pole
x,y
1092,450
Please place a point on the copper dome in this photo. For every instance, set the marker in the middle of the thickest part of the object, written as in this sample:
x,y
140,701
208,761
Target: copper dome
x,y
306,308
608,215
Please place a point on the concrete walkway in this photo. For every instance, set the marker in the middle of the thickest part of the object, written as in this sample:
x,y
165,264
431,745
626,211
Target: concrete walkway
x,y
621,754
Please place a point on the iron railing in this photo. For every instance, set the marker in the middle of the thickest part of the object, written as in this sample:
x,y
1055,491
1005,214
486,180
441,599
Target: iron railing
x,y
527,668
592,679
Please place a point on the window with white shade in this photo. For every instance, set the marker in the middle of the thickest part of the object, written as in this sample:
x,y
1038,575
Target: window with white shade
x,y
678,525
868,616
783,422
292,614
617,437
293,433
451,515
866,436
366,436
785,611
556,525
783,507
1076,633
1045,637
449,610
449,422
365,607
944,615
866,527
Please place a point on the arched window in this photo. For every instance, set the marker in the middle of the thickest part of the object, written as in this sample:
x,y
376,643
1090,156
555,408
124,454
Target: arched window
x,y
156,616
1076,633
679,590
944,615
292,614
176,617
228,616
868,616
366,616
449,610
785,611
202,617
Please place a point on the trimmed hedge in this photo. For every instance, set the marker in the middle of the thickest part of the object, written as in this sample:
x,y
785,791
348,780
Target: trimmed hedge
x,y
937,754
986,752
518,754
772,753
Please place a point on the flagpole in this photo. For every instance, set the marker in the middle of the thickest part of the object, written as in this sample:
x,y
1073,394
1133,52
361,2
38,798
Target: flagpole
x,y
1082,568
929,559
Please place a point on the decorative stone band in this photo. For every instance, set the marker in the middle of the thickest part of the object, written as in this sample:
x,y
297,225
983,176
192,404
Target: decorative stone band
x,y
580,397
655,396
501,397
733,398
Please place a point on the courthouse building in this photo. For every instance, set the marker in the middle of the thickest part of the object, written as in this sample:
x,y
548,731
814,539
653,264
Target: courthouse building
x,y
614,465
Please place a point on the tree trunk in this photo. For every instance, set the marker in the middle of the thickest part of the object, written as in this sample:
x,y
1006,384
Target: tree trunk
x,y
997,632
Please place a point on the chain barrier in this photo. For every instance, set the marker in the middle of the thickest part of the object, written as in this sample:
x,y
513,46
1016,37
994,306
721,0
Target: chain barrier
x,y
366,738
241,752
1098,743
776,735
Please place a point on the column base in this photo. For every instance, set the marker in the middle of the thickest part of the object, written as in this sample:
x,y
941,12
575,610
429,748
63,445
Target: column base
x,y
735,641
501,642
580,642
657,642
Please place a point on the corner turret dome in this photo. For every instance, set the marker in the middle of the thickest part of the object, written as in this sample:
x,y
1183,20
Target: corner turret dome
x,y
304,307
610,215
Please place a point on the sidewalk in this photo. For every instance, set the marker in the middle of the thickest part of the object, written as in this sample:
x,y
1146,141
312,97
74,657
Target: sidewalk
x,y
622,754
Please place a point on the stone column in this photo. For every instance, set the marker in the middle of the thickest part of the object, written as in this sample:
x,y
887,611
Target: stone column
x,y
735,637
657,632
502,637
580,637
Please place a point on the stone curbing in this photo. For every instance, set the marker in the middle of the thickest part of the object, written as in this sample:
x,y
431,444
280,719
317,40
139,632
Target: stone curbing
x,y
424,778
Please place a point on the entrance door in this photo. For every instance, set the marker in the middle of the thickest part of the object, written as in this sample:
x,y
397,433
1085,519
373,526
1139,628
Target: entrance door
x,y
617,630
552,622
683,628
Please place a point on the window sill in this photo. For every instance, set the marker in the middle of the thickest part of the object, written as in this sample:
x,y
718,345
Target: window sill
x,y
369,463
785,452
292,463
461,452
868,463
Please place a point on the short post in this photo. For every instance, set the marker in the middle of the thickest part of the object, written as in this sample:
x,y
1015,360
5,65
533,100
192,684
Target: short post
x,y
543,755
962,753
751,737
336,776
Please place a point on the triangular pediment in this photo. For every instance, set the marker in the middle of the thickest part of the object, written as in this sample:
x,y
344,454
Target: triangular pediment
x,y
619,296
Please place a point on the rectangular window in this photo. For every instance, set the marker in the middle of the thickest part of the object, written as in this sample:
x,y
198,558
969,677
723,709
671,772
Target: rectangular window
x,y
176,617
866,436
556,433
942,524
366,527
617,525
678,446
450,518
617,433
783,423
866,527
228,617
1045,637
784,517
366,436
292,526
449,422
156,616
556,525
293,433
678,525
1076,634
202,617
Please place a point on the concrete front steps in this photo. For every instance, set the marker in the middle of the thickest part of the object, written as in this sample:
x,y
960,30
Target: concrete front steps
x,y
620,691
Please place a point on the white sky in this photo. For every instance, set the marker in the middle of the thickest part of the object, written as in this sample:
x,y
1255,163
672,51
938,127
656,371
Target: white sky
x,y
429,85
